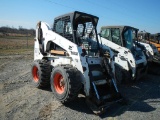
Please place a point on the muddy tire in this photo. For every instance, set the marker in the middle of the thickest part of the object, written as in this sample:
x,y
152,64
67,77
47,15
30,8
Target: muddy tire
x,y
40,73
65,84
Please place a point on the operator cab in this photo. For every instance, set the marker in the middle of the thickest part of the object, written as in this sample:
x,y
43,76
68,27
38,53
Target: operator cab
x,y
120,35
79,28
124,36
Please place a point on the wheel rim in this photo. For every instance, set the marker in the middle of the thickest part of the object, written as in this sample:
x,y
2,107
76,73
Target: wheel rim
x,y
35,74
59,83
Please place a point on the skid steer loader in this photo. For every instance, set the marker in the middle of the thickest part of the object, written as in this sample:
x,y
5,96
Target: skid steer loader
x,y
130,61
67,59
150,49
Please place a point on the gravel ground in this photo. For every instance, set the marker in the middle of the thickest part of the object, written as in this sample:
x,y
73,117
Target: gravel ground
x,y
19,100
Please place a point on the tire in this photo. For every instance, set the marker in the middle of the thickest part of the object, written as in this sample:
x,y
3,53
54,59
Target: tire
x,y
122,76
40,73
127,77
118,74
65,83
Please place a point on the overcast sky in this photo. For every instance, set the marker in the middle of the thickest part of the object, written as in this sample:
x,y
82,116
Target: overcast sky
x,y
142,14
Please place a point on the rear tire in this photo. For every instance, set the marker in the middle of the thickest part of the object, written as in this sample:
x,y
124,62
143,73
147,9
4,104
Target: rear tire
x,y
40,73
65,84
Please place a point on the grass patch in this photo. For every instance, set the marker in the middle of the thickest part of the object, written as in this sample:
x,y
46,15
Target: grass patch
x,y
17,37
11,45
16,51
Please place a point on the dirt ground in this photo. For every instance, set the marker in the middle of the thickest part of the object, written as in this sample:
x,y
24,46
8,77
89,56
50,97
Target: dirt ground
x,y
19,100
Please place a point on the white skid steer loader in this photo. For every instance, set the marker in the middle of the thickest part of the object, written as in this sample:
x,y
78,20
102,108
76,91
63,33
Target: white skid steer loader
x,y
130,61
67,59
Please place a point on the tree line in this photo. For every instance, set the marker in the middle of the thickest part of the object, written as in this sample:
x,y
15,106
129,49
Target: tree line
x,y
6,30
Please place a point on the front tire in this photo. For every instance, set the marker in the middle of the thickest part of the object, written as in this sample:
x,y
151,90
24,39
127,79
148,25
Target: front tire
x,y
65,84
122,76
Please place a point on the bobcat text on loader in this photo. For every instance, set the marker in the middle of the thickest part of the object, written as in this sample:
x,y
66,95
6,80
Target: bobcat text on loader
x,y
71,62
